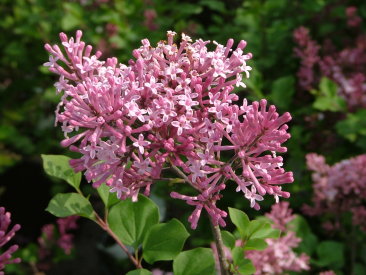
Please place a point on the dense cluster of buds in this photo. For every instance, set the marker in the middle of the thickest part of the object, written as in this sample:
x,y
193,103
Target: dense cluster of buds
x,y
345,67
279,257
6,234
170,108
338,189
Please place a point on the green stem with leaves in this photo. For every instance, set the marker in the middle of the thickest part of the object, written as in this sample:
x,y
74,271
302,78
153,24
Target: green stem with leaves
x,y
105,226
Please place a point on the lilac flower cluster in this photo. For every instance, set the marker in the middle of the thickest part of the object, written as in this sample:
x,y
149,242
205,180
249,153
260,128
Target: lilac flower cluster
x,y
63,239
5,236
340,188
345,67
279,257
170,107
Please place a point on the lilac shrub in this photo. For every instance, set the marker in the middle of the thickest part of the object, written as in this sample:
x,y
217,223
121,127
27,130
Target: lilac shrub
x,y
56,237
6,234
171,107
63,238
345,67
338,189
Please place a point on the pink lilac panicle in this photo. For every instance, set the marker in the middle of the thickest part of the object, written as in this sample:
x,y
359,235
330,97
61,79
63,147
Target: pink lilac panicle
x,y
340,188
345,67
353,20
281,215
279,257
171,106
307,50
57,235
150,16
6,234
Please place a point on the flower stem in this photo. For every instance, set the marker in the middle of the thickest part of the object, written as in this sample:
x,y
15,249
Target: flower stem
x,y
224,268
105,226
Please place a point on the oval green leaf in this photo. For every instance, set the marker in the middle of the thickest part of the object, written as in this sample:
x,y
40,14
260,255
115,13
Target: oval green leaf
x,y
69,204
130,221
197,261
259,229
228,239
164,241
58,166
107,197
255,244
241,221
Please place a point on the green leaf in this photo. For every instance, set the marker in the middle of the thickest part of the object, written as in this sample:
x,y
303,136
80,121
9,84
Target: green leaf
x,y
327,98
139,272
241,221
58,166
69,204
197,261
244,266
228,239
130,221
107,197
328,87
353,128
261,229
283,90
255,244
334,104
330,254
238,254
273,233
164,241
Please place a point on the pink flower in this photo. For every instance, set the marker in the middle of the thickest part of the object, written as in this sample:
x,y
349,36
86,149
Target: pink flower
x,y
171,105
353,20
6,234
307,51
52,61
182,123
281,215
150,16
338,189
344,67
141,143
59,235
